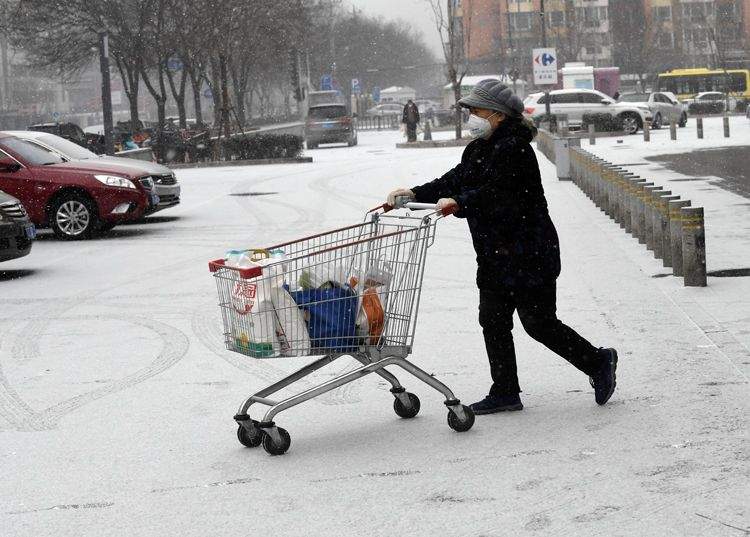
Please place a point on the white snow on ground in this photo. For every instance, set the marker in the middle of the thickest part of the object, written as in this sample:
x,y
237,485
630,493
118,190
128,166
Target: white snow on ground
x,y
117,396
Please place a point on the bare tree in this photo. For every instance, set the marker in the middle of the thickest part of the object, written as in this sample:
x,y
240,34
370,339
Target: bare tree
x,y
453,39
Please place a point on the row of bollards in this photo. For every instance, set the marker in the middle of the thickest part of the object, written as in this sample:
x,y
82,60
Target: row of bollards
x,y
672,130
668,226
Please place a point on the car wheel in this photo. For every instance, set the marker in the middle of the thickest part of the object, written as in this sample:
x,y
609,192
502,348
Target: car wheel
x,y
683,119
630,123
73,217
657,122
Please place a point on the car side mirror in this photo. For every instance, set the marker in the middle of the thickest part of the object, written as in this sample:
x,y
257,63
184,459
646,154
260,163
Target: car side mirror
x,y
9,165
605,102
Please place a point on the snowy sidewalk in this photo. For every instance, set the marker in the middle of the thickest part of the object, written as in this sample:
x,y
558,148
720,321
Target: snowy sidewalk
x,y
137,438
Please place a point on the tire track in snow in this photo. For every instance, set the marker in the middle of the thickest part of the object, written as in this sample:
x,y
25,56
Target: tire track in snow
x,y
175,345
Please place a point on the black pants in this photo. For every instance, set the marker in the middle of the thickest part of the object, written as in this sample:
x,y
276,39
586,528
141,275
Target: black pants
x,y
537,310
411,132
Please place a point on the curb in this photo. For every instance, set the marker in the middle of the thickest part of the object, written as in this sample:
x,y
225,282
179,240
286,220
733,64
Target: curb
x,y
435,143
254,162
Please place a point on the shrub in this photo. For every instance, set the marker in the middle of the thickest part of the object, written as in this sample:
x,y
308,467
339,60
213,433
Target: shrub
x,y
602,122
261,146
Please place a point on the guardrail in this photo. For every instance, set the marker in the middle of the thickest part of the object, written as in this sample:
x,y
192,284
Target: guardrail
x,y
668,226
379,123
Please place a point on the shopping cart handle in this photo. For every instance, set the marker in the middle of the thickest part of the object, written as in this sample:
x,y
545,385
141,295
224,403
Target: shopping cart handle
x,y
245,273
414,206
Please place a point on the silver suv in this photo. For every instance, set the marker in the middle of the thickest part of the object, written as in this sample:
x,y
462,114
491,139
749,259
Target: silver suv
x,y
576,102
663,105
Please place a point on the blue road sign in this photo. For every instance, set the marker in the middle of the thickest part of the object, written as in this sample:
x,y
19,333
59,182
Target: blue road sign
x,y
326,83
376,94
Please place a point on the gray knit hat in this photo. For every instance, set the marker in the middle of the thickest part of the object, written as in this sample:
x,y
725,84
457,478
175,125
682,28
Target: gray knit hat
x,y
494,95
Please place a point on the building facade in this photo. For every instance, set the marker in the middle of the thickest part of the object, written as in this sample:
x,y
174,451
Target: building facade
x,y
636,35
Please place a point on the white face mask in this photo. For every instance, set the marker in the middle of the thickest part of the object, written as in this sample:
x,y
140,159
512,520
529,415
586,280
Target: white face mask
x,y
479,127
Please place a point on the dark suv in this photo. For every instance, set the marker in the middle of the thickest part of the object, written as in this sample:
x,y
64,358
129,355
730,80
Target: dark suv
x,y
329,124
16,230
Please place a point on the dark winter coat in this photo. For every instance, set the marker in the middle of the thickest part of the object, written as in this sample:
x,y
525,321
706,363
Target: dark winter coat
x,y
499,191
411,114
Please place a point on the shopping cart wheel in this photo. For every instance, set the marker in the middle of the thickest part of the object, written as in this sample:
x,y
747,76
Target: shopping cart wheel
x,y
461,424
402,410
273,447
250,438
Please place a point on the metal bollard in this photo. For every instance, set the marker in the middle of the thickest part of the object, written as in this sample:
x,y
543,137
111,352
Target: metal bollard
x,y
648,216
646,131
637,218
627,205
427,131
592,134
726,126
673,130
652,226
675,236
674,222
699,126
625,200
693,246
661,226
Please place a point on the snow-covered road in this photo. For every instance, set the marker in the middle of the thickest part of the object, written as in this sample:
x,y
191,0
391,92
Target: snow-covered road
x,y
117,395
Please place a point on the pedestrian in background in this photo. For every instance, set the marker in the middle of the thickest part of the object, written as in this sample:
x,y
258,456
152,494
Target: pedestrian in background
x,y
497,187
411,119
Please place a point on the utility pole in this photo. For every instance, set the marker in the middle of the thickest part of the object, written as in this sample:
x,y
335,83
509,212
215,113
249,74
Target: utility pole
x,y
547,110
109,143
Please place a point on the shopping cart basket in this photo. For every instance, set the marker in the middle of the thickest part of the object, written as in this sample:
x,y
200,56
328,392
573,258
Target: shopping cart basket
x,y
352,291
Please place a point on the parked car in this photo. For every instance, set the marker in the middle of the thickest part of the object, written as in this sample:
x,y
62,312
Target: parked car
x,y
387,109
664,106
711,102
329,123
577,102
166,187
75,198
69,131
17,233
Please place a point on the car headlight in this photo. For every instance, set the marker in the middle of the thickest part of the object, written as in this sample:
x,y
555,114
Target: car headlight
x,y
116,181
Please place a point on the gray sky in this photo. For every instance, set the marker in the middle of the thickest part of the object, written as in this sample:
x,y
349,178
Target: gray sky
x,y
415,12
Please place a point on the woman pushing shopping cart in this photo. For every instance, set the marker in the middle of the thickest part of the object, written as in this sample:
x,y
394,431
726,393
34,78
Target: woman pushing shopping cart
x,y
352,291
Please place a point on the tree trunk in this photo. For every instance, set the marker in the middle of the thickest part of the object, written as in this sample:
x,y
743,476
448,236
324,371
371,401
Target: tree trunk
x,y
179,96
457,96
195,83
224,94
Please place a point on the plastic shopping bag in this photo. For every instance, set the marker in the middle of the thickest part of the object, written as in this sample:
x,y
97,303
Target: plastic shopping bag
x,y
332,317
371,317
323,276
291,331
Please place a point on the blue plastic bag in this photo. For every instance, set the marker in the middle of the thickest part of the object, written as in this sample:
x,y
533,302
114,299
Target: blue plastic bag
x,y
332,317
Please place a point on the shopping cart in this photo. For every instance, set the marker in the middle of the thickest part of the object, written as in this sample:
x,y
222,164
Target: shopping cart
x,y
352,291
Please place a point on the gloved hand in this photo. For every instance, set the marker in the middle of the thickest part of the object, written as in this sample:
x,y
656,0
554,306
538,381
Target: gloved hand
x,y
391,200
447,206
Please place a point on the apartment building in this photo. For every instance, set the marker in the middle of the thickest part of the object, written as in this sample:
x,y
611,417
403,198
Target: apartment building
x,y
499,34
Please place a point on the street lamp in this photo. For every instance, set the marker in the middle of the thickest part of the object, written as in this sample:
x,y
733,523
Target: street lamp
x,y
109,145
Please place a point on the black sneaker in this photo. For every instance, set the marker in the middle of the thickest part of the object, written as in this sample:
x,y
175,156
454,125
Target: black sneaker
x,y
497,403
604,381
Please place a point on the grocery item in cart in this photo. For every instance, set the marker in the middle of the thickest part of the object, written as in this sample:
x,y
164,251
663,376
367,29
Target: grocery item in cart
x,y
254,329
371,317
323,276
332,317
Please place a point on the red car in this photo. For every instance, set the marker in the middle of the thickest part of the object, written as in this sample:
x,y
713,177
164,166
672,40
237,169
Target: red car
x,y
75,199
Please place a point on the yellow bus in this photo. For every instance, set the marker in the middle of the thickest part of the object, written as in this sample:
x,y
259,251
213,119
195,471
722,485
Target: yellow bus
x,y
686,83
